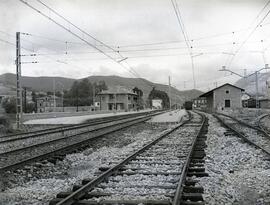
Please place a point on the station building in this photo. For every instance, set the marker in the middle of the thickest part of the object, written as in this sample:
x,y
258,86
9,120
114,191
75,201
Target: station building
x,y
118,98
46,103
226,96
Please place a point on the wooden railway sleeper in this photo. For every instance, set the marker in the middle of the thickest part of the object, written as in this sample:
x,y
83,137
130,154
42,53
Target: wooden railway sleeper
x,y
192,193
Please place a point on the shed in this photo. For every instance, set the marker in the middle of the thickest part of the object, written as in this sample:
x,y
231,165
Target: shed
x,y
226,96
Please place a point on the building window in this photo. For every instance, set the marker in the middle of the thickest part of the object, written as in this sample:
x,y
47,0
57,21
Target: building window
x,y
227,91
227,103
128,97
111,96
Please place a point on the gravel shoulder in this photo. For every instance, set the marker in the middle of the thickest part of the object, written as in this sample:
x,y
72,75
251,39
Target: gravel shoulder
x,y
238,173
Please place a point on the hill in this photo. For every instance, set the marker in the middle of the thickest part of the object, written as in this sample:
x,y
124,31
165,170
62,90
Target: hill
x,y
46,84
249,83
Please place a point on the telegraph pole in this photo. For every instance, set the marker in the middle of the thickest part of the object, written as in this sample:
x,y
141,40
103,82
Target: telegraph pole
x,y
24,98
257,89
94,96
170,97
54,102
18,82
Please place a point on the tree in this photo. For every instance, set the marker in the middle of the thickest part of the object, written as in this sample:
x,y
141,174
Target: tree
x,y
49,93
102,85
9,104
30,107
161,95
58,93
81,92
139,93
34,99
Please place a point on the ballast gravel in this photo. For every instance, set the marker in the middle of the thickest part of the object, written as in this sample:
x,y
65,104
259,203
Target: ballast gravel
x,y
36,186
238,173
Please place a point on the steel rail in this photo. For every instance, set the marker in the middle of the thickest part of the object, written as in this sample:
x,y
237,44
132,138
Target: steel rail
x,y
260,123
78,194
246,124
242,136
179,190
73,146
66,137
68,127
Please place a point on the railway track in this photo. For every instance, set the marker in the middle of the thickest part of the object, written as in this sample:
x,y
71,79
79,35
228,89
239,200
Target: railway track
x,y
250,134
161,172
13,142
58,146
66,128
264,123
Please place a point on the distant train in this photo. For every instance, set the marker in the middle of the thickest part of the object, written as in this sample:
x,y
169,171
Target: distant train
x,y
188,105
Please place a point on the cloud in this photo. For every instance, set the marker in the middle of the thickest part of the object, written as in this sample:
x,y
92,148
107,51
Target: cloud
x,y
127,22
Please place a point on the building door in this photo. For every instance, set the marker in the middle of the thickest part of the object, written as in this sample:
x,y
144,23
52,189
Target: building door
x,y
110,106
227,103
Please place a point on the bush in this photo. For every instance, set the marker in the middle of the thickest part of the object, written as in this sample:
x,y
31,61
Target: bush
x,y
9,104
5,125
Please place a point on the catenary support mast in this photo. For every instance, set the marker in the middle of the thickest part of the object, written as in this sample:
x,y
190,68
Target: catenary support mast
x,y
18,82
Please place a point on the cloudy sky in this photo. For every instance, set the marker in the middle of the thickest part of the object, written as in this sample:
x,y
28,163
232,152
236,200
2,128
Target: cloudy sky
x,y
145,31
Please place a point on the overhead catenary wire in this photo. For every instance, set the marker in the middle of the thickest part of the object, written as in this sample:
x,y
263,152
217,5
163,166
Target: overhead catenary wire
x,y
252,31
13,44
122,51
84,32
184,32
151,43
178,16
140,56
35,62
67,29
129,69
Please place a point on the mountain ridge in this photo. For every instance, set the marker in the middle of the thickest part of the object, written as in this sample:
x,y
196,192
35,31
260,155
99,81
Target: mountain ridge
x,y
45,83
249,84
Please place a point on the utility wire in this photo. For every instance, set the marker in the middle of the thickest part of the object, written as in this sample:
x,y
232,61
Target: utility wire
x,y
180,24
67,29
251,33
28,50
131,70
13,44
56,13
184,32
143,44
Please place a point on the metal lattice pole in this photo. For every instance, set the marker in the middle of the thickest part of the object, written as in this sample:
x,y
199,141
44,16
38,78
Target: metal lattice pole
x,y
18,82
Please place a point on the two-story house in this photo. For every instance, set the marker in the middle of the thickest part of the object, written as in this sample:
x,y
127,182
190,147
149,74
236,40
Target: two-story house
x,y
118,98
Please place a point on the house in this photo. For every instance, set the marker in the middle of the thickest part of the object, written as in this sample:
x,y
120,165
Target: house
x,y
46,103
226,96
248,101
118,98
157,103
264,103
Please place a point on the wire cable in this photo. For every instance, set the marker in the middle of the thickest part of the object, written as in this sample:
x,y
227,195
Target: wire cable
x,y
251,33
131,70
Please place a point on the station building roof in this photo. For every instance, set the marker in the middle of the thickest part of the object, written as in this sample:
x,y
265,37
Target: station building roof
x,y
211,91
